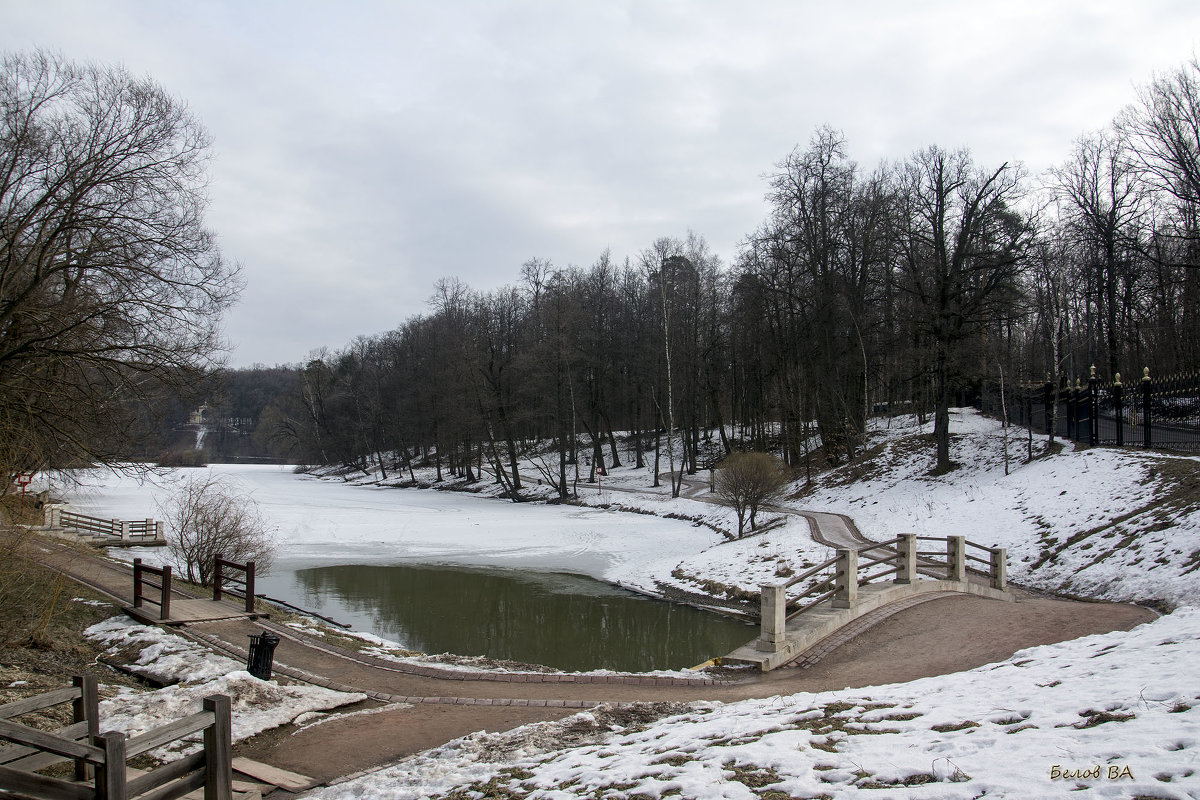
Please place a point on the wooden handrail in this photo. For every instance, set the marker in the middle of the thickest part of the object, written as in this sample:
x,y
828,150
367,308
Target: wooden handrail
x,y
168,733
38,702
210,768
863,581
870,562
50,743
31,784
164,588
166,773
811,572
899,558
221,580
816,601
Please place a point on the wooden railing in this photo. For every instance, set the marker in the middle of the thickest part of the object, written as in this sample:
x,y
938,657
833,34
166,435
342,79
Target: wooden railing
x,y
26,756
226,580
100,768
839,579
140,583
147,530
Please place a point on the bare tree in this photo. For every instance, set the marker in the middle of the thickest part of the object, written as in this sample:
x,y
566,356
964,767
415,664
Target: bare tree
x,y
111,288
210,518
963,248
747,481
1105,204
1165,132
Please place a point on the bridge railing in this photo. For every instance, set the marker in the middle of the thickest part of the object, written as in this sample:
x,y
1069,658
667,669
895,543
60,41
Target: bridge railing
x,y
226,581
146,530
161,598
898,561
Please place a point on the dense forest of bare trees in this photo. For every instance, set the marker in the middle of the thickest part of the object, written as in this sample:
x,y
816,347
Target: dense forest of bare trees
x,y
906,286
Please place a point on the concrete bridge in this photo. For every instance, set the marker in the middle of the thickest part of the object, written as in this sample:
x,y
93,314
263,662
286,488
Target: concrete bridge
x,y
814,605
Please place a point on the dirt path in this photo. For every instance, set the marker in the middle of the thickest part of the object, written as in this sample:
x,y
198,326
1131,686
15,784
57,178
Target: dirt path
x,y
940,636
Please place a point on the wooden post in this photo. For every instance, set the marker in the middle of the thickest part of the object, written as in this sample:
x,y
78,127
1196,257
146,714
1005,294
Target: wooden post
x,y
86,708
846,594
1000,568
110,778
956,558
165,608
906,559
249,587
217,576
773,606
218,749
137,583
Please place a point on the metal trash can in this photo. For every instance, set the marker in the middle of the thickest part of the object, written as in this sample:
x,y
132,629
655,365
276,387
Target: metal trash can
x,y
261,655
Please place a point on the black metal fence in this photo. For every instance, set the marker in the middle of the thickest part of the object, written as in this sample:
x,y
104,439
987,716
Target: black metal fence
x,y
1153,412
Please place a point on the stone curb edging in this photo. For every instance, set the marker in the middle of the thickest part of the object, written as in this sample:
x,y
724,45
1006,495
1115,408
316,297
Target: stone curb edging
x,y
325,683
441,673
318,680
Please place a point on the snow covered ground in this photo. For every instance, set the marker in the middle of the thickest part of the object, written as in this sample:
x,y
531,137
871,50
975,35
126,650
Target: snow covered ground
x,y
1112,715
194,672
1122,707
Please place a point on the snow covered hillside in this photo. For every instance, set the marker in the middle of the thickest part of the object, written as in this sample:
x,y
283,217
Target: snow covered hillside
x,y
1100,522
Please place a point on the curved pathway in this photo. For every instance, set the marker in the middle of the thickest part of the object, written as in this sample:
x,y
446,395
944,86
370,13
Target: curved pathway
x,y
426,705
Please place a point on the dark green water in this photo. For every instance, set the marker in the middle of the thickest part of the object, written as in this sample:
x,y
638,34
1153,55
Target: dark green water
x,y
565,621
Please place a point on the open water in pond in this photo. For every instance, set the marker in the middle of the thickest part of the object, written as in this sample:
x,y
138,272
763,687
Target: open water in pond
x,y
561,620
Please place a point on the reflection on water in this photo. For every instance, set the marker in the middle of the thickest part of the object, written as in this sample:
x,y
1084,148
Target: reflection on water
x,y
566,621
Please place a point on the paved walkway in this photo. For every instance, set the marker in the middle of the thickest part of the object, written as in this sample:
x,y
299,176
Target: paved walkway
x,y
427,705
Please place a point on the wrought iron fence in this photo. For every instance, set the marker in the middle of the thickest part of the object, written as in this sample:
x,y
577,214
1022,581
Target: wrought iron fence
x,y
1161,412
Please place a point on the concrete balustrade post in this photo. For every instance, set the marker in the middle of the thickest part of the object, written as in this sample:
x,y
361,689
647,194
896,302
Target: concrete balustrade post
x,y
774,617
906,559
956,558
124,530
1000,568
158,531
846,584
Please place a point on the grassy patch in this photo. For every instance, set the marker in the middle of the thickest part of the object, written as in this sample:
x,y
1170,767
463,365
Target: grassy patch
x,y
955,726
1092,718
753,777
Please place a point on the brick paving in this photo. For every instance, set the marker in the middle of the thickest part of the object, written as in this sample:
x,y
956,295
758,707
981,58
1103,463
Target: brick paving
x,y
814,654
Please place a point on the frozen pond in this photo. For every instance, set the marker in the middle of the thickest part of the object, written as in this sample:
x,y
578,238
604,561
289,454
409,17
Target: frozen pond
x,y
447,571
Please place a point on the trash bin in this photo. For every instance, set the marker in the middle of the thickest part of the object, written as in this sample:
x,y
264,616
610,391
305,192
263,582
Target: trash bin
x,y
262,653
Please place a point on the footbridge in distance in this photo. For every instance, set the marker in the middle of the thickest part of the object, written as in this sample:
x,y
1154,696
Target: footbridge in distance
x,y
810,607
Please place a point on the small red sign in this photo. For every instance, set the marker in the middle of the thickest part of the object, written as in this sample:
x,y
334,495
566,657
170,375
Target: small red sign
x,y
25,478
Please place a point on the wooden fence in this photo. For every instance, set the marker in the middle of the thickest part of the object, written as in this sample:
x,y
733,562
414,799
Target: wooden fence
x,y
226,580
136,530
100,758
162,598
899,561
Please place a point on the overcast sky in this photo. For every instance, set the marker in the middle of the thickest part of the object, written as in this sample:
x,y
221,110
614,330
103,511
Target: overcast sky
x,y
364,149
